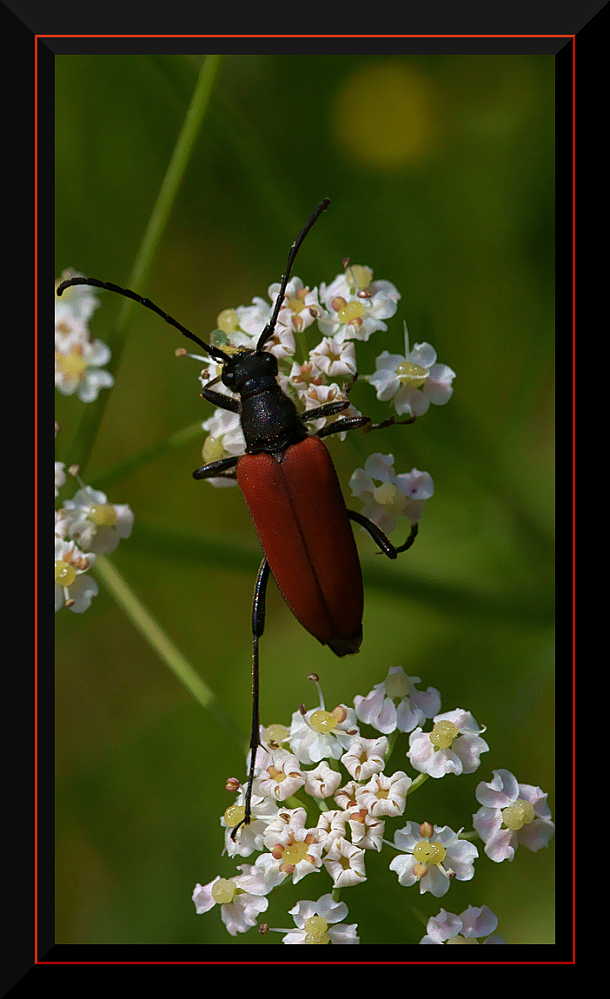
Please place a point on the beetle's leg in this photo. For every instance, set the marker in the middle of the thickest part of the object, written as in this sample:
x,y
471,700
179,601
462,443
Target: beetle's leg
x,y
351,423
381,540
221,400
328,409
258,626
217,468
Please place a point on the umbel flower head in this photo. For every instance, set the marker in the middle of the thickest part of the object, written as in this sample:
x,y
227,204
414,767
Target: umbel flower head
x,y
327,798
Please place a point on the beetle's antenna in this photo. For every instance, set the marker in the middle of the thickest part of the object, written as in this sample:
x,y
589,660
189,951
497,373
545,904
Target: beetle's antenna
x,y
270,327
215,352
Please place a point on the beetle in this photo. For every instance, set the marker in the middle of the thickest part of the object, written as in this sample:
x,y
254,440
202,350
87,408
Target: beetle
x,y
292,491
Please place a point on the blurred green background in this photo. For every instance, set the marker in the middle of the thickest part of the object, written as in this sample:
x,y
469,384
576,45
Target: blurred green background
x,y
440,171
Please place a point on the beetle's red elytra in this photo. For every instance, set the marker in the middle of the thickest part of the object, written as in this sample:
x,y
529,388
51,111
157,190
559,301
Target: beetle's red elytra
x,y
298,509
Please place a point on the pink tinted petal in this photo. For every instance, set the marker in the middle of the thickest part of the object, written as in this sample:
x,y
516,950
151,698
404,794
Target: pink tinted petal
x,y
423,354
386,719
501,845
368,708
411,401
536,835
380,466
443,927
428,702
500,792
478,921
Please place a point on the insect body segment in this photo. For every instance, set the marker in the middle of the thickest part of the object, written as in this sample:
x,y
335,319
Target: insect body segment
x,y
300,517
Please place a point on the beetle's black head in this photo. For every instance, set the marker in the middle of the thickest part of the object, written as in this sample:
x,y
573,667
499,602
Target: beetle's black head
x,y
250,370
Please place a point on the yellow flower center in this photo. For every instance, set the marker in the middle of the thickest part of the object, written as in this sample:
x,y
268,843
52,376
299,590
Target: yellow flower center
x,y
297,304
443,734
411,374
234,815
389,496
359,274
103,514
72,365
295,853
64,574
349,312
397,685
315,930
212,449
276,734
428,853
224,891
228,321
517,815
323,721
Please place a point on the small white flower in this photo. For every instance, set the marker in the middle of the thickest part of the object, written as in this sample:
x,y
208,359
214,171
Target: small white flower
x,y
331,825
344,862
299,380
346,797
280,778
397,704
413,380
367,831
287,821
385,795
396,496
321,922
320,734
241,898
322,782
263,811
365,757
253,319
294,850
226,439
512,815
94,523
472,923
333,358
432,856
78,302
453,746
70,331
301,306
356,305
78,368
73,587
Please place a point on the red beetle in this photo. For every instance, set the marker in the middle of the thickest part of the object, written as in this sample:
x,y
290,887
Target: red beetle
x,y
291,488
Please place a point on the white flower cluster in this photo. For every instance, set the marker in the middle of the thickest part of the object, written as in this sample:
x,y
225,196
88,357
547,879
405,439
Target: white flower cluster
x,y
86,525
350,309
78,359
339,794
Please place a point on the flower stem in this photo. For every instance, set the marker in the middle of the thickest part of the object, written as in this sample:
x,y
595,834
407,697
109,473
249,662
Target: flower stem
x,y
417,783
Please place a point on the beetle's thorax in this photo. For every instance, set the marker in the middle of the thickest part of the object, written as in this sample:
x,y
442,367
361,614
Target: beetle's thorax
x,y
269,418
